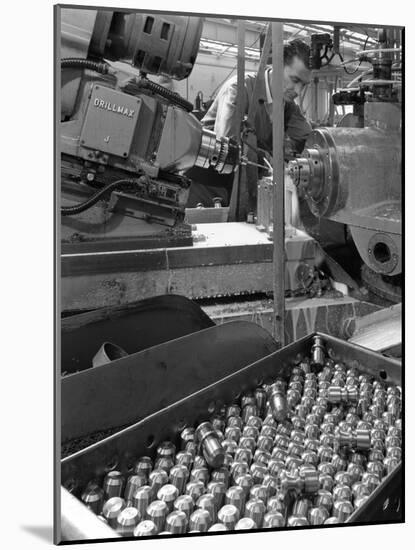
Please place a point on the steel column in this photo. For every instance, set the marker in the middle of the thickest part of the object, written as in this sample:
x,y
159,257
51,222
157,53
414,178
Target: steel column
x,y
278,181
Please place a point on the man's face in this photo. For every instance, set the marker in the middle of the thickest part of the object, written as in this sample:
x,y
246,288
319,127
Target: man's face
x,y
296,77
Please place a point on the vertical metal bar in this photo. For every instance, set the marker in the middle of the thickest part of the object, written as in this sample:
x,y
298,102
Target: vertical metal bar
x,y
234,200
278,181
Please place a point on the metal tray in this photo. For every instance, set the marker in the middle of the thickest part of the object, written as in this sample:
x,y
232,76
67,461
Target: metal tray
x,y
120,450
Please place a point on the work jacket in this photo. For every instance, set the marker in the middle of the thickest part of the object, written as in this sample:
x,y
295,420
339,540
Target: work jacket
x,y
221,116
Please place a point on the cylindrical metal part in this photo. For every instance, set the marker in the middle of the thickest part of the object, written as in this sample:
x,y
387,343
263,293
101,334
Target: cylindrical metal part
x,y
236,495
111,509
229,516
176,522
255,509
142,498
178,477
200,520
212,449
113,484
195,489
207,502
273,519
134,482
93,497
168,494
127,521
217,527
156,480
342,510
318,515
245,524
278,404
145,528
184,503
157,512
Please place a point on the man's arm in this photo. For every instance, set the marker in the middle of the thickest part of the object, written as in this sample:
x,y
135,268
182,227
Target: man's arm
x,y
296,126
221,117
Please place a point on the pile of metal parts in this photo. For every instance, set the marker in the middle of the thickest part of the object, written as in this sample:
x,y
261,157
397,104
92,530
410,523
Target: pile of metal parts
x,y
307,449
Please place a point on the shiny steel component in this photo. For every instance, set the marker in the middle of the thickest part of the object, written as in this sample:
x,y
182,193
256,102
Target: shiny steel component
x,y
217,527
297,521
277,503
144,465
342,509
134,482
236,495
318,515
358,439
278,404
318,354
184,503
229,516
157,479
176,522
188,434
157,512
212,448
273,519
145,528
245,524
255,509
223,474
218,490
307,483
332,521
324,499
248,411
207,502
261,492
127,521
301,507
195,489
165,463
337,394
261,399
243,455
168,494
111,509
142,498
166,449
178,477
199,462
93,497
342,492
200,474
113,484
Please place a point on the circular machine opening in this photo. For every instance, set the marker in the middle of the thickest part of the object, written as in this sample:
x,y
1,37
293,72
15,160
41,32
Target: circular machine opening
x,y
381,253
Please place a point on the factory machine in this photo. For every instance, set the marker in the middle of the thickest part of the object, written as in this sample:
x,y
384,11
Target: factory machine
x,y
352,173
126,141
246,435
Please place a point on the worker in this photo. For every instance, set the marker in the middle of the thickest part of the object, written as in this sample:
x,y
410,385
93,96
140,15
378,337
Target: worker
x,y
222,119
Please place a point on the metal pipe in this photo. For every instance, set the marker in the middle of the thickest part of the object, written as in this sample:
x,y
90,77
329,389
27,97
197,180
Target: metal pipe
x,y
278,181
79,523
234,203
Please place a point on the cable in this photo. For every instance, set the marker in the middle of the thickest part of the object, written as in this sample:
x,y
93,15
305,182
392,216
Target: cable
x,y
360,62
81,207
80,63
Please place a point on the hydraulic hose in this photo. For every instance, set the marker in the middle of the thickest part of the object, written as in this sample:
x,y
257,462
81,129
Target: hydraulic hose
x,y
107,190
80,63
171,96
